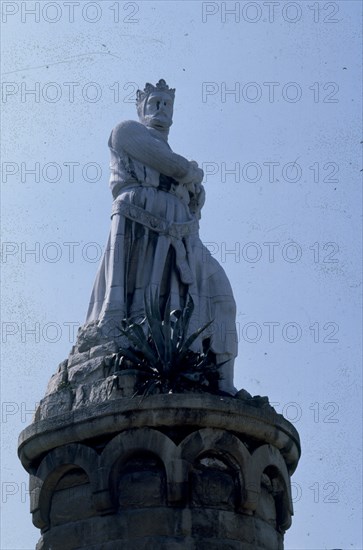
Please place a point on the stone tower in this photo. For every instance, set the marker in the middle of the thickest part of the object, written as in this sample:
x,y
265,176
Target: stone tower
x,y
111,470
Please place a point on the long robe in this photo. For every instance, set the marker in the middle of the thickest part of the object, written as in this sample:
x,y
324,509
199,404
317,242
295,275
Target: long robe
x,y
154,243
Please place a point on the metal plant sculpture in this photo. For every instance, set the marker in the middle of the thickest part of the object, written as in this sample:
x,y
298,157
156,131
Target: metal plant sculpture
x,y
160,351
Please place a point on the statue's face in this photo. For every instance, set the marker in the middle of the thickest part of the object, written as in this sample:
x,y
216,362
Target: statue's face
x,y
158,112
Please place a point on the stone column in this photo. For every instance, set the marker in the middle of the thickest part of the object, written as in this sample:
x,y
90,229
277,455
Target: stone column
x,y
166,471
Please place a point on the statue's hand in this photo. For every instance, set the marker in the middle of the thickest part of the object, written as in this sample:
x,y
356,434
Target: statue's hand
x,y
199,174
194,176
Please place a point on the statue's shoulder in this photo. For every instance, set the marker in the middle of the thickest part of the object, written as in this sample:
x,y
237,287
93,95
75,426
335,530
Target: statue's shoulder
x,y
125,131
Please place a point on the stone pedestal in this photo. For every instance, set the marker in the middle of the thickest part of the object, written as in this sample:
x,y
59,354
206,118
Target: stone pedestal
x,y
175,471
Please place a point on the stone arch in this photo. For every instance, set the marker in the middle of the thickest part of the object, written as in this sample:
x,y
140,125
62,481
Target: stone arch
x,y
55,465
139,482
223,446
267,460
139,442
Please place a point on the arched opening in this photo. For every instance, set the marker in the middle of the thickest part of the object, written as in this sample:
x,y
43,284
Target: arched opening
x,y
272,506
266,508
141,482
214,482
71,498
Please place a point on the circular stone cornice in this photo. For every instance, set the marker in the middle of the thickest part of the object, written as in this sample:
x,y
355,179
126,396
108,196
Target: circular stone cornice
x,y
259,424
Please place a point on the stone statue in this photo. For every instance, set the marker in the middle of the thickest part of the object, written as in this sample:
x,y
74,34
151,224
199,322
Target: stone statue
x,y
154,241
182,465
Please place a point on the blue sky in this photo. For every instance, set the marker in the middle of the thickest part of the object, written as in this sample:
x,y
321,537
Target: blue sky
x,y
268,102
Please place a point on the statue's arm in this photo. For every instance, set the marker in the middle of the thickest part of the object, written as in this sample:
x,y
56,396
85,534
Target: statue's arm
x,y
136,140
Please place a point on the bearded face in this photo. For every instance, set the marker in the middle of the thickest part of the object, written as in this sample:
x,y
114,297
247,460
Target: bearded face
x,y
157,111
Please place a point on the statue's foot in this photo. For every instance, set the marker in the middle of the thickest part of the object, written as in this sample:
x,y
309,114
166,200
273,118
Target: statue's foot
x,y
225,383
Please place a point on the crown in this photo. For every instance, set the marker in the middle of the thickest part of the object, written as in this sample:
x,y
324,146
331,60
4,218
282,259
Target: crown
x,y
160,86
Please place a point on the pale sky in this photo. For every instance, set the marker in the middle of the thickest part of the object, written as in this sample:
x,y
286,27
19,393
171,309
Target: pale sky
x,y
268,102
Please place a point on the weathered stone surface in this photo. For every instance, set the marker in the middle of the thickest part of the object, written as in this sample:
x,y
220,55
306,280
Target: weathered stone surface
x,y
94,376
81,396
88,336
154,528
76,358
101,391
213,487
55,404
179,471
59,379
71,500
90,371
179,411
55,383
104,349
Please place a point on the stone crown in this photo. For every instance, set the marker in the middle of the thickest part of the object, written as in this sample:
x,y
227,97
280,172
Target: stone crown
x,y
160,86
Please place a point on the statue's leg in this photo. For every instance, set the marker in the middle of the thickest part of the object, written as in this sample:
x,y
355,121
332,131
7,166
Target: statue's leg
x,y
226,373
224,338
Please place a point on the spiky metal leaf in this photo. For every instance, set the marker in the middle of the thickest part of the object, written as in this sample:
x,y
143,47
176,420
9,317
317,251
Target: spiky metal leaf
x,y
162,352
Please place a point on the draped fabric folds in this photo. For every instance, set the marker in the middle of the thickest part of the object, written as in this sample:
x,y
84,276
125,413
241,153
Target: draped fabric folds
x,y
154,244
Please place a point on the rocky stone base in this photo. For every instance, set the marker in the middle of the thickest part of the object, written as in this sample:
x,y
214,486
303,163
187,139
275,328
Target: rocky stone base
x,y
92,375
